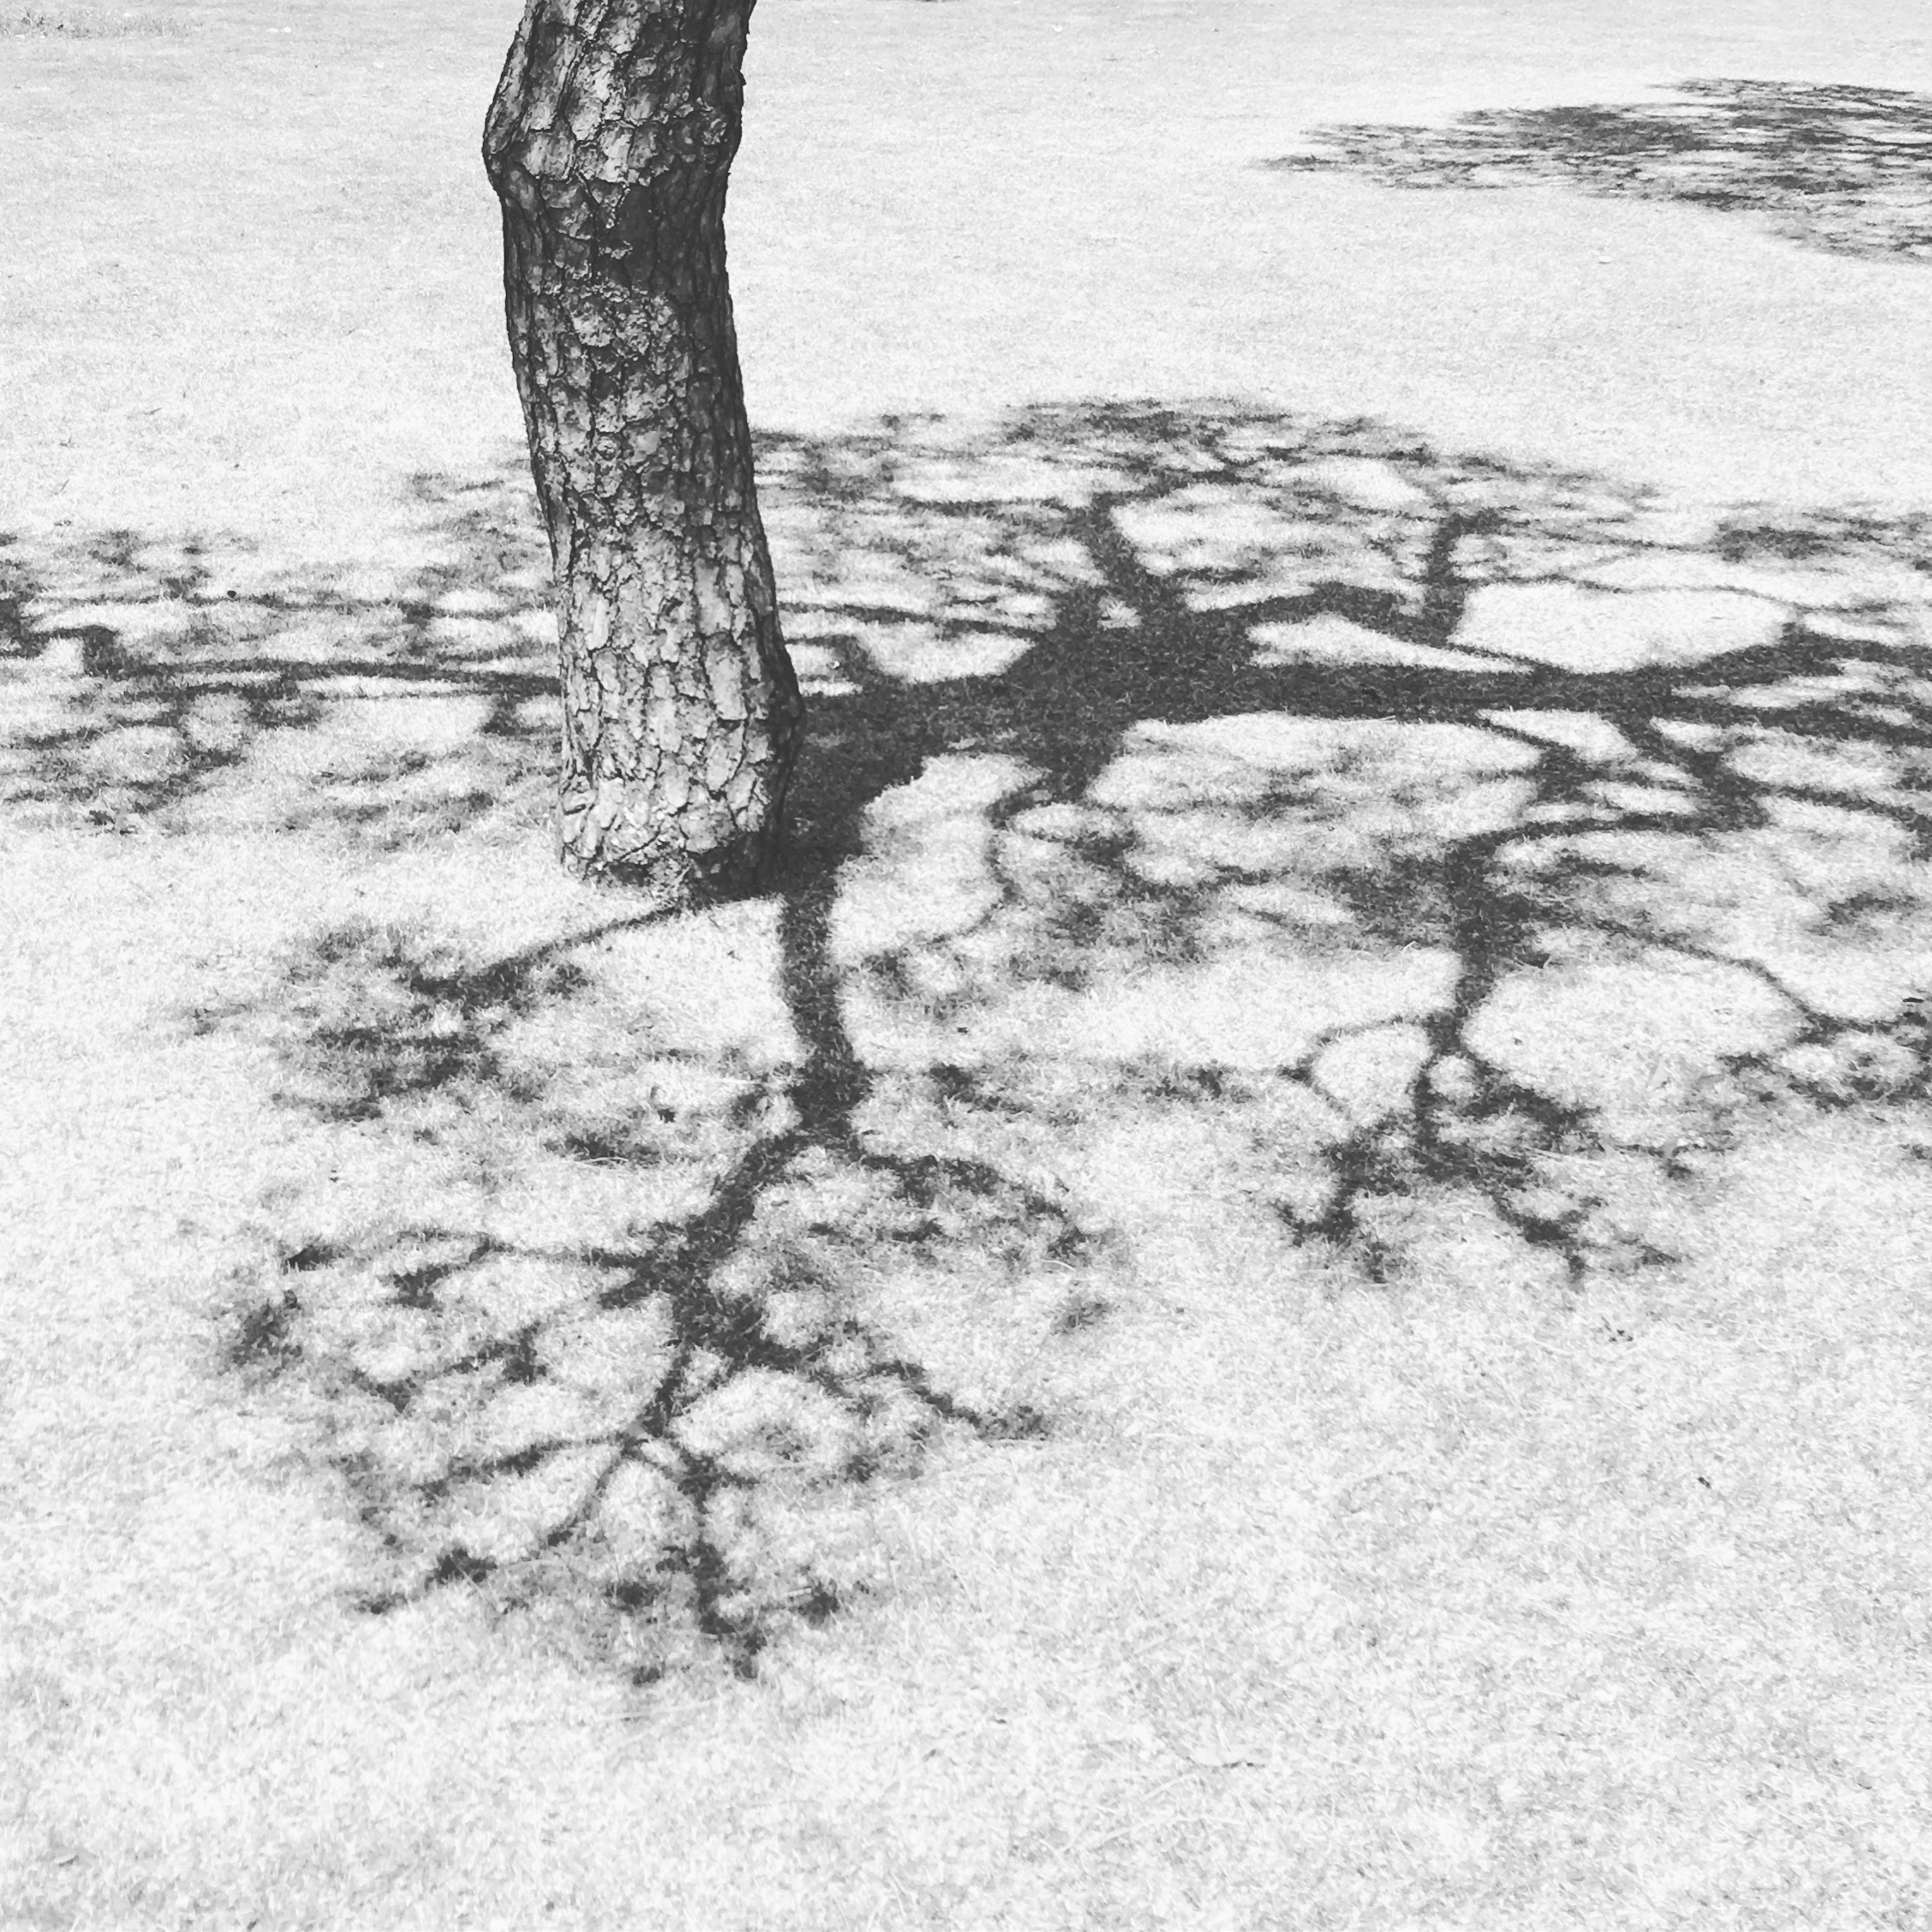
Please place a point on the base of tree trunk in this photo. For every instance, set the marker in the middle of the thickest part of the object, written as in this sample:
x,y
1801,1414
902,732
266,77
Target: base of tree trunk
x,y
609,143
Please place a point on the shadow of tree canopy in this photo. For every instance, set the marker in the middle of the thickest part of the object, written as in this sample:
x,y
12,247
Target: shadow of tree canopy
x,y
1847,170
1484,847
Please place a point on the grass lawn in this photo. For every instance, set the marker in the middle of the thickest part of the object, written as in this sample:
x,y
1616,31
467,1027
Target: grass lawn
x,y
1284,1281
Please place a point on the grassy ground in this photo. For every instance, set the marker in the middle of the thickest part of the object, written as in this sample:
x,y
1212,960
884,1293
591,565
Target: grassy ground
x,y
1282,1283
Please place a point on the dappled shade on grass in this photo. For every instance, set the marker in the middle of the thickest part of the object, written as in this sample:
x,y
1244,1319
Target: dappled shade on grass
x,y
171,675
641,1432
1480,846
1845,169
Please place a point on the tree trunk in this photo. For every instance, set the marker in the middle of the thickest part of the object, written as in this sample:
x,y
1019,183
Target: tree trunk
x,y
609,143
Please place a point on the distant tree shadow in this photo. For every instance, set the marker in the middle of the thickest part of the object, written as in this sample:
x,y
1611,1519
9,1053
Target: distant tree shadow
x,y
1845,169
1484,843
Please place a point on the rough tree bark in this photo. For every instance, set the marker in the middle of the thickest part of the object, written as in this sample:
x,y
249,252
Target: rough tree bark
x,y
609,143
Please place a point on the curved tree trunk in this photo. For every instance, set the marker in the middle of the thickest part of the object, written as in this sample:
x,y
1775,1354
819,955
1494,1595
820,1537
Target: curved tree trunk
x,y
609,143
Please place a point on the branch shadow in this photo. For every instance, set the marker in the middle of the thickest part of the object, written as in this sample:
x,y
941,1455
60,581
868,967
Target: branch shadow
x,y
1488,846
652,1440
1844,169
183,685
1317,692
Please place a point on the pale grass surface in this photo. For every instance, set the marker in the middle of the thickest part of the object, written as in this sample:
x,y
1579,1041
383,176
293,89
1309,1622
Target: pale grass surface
x,y
87,23
1291,1261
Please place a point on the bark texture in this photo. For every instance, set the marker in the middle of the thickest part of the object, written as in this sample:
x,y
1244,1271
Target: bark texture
x,y
609,142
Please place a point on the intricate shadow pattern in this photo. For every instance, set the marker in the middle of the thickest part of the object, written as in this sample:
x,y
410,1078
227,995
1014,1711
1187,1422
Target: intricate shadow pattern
x,y
150,676
1484,845
649,1439
1847,170
1316,687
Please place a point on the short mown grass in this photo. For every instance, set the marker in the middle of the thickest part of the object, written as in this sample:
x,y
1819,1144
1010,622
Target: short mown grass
x,y
1281,1280
87,23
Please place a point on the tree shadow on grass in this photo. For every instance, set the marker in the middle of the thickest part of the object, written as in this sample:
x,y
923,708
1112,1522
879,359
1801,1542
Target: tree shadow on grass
x,y
653,1437
1845,169
1439,756
1477,846
189,684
